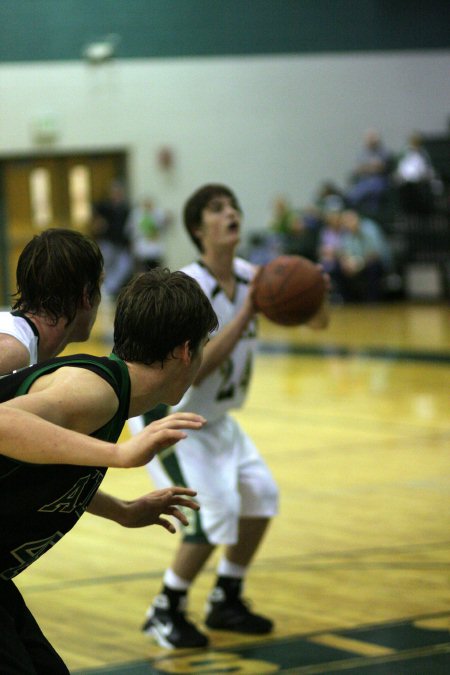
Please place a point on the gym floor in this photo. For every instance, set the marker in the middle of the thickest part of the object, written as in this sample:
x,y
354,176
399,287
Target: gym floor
x,y
355,425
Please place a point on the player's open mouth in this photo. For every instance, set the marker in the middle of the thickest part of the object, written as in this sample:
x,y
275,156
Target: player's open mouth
x,y
233,227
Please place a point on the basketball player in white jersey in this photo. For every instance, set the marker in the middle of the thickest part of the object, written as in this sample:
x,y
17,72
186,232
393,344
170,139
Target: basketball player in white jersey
x,y
59,273
236,491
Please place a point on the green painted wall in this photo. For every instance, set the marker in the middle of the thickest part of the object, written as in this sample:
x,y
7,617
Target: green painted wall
x,y
48,30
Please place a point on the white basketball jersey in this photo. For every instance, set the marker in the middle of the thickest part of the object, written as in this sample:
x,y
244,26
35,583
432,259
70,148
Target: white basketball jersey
x,y
23,330
226,387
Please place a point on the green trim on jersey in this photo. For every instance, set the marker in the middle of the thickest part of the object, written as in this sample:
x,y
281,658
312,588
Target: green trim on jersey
x,y
61,493
111,429
193,532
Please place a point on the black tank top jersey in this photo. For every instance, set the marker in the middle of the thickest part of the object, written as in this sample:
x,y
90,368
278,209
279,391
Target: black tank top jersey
x,y
40,503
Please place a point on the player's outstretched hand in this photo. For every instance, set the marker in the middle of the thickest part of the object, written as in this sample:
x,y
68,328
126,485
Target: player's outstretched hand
x,y
157,436
150,509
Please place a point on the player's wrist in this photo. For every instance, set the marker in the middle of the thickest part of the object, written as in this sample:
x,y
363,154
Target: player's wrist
x,y
117,457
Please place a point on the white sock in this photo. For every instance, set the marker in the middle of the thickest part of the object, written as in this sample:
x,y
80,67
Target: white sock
x,y
229,569
175,582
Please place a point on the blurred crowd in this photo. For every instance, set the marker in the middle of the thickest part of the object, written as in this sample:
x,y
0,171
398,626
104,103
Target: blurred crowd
x,y
347,228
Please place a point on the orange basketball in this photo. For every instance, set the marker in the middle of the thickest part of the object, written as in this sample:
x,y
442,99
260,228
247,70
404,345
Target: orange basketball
x,y
289,290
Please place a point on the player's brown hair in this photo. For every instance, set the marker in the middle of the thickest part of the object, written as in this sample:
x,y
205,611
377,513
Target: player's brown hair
x,y
158,311
193,208
55,271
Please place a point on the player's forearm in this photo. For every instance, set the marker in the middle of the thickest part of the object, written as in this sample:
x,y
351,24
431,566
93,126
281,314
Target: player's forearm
x,y
29,438
106,506
222,344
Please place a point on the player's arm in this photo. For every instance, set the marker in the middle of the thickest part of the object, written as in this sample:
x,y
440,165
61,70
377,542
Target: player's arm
x,y
222,344
29,438
73,398
50,424
147,510
13,354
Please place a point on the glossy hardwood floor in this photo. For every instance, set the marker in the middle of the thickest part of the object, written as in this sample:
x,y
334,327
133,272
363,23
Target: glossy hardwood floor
x,y
355,425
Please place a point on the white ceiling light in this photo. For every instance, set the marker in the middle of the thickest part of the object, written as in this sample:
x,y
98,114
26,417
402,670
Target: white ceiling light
x,y
101,50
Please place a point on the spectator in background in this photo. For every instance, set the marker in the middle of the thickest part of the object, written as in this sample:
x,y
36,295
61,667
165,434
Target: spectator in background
x,y
109,229
146,225
416,178
305,236
284,217
363,258
330,241
371,177
326,190
295,232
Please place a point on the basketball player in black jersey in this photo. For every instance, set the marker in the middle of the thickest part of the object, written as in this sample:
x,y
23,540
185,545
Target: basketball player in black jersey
x,y
59,425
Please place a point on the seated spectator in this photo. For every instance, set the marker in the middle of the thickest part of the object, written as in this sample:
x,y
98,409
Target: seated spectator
x,y
414,176
327,189
371,177
329,241
363,258
304,236
295,233
261,248
284,217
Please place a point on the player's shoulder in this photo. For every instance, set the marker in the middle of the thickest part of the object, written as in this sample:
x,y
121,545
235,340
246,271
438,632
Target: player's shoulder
x,y
7,320
17,325
193,268
198,271
87,373
244,269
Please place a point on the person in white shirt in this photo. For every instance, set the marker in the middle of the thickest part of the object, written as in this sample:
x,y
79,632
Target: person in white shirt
x,y
58,274
236,491
416,178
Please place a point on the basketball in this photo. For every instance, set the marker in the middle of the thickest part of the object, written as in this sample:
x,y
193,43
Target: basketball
x,y
289,290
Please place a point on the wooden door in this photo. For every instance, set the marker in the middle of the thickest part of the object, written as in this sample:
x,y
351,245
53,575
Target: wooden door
x,y
52,191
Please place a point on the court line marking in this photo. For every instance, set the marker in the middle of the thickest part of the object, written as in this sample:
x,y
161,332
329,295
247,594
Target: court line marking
x,y
348,644
297,560
333,350
316,669
350,664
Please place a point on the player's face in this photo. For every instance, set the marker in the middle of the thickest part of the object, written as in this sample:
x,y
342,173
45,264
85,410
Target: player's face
x,y
221,223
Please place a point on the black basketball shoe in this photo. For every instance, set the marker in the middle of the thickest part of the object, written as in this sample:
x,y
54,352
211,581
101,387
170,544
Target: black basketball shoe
x,y
232,613
167,623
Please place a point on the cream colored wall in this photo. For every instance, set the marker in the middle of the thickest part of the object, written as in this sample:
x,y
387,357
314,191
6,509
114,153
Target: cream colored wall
x,y
265,125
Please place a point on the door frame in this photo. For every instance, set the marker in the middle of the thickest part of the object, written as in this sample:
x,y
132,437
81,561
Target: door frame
x,y
123,153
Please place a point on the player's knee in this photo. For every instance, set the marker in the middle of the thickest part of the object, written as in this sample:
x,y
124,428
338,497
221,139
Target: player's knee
x,y
261,497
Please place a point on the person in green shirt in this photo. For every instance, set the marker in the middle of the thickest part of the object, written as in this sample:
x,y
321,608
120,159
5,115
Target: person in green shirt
x,y
60,421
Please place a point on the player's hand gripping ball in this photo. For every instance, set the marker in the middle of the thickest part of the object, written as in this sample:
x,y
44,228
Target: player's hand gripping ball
x,y
289,290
